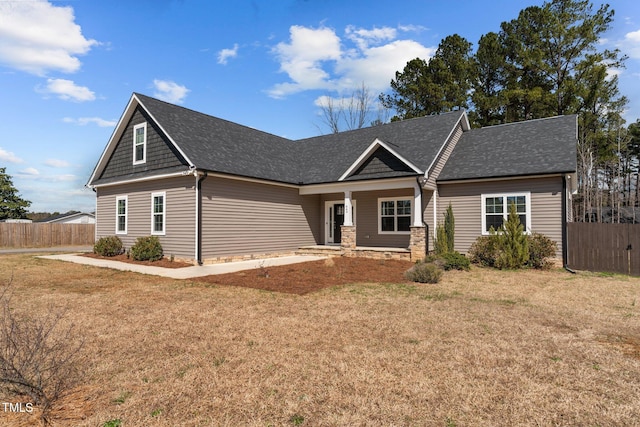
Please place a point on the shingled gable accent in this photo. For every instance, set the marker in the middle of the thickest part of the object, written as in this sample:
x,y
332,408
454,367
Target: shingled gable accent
x,y
373,150
120,129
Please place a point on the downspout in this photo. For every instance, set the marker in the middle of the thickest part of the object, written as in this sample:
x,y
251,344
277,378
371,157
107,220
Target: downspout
x,y
199,179
422,205
565,246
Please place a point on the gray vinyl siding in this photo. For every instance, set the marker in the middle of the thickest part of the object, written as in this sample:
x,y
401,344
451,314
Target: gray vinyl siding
x,y
179,238
380,162
243,218
160,152
444,155
367,222
465,198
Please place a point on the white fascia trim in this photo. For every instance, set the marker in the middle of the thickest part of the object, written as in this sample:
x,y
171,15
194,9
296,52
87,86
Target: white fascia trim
x,y
339,187
369,151
119,130
256,180
464,122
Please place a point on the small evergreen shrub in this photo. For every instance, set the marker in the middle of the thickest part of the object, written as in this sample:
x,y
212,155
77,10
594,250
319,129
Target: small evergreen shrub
x,y
108,246
146,249
450,228
424,273
484,251
456,261
513,243
541,248
440,245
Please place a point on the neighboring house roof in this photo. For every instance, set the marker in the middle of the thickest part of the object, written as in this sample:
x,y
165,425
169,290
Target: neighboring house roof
x,y
403,148
68,217
534,147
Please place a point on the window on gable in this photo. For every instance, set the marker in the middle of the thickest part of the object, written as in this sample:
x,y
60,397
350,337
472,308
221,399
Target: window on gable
x,y
495,210
394,215
121,215
158,210
139,143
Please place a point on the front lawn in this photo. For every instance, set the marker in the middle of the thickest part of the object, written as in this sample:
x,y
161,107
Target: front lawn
x,y
481,348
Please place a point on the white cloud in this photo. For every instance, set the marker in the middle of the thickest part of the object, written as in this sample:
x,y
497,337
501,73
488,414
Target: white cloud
x,y
225,54
68,90
169,91
30,172
8,156
631,44
83,121
55,163
36,36
301,59
317,59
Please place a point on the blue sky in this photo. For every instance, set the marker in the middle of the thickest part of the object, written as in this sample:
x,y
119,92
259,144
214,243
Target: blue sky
x,y
68,68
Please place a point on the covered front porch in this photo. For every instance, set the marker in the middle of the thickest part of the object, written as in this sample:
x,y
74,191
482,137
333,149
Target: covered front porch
x,y
377,219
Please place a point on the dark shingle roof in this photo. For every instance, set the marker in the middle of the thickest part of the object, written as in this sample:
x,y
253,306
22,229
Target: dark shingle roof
x,y
219,145
222,146
533,147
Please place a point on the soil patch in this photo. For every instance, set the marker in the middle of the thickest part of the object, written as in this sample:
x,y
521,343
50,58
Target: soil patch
x,y
307,277
164,262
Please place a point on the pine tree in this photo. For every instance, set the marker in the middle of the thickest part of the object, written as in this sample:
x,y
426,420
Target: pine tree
x,y
11,204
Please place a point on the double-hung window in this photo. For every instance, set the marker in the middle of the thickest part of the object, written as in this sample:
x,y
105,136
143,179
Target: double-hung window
x,y
121,215
495,210
394,215
158,213
140,143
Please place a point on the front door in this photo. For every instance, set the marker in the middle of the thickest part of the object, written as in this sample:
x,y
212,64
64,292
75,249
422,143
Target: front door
x,y
338,220
334,218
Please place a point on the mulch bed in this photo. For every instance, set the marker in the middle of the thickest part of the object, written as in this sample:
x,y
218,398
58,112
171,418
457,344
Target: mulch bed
x,y
164,262
307,277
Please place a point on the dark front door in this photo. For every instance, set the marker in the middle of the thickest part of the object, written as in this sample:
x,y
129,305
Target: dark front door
x,y
338,220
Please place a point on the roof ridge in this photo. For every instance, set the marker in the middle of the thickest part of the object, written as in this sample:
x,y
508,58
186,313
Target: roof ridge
x,y
523,121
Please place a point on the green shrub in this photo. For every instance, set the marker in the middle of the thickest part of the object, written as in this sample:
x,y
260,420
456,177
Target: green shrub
x,y
146,249
108,246
424,273
484,251
540,249
456,261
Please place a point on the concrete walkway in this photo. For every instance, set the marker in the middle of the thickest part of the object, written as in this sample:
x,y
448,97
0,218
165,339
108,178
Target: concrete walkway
x,y
185,272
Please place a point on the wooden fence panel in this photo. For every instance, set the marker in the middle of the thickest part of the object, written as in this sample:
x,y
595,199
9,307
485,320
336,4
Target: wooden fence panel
x,y
604,247
43,235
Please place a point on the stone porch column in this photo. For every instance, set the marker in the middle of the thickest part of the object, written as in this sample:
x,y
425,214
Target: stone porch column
x,y
418,242
348,239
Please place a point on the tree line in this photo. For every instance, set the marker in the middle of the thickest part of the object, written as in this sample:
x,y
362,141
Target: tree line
x,y
544,63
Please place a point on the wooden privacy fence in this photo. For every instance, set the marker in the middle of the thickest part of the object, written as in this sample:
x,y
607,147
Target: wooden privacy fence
x,y
41,235
604,247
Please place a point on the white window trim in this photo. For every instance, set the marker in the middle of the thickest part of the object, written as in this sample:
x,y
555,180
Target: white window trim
x,y
126,214
505,214
164,213
144,144
395,213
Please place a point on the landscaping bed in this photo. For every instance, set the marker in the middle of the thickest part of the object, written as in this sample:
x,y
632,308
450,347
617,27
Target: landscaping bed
x,y
307,277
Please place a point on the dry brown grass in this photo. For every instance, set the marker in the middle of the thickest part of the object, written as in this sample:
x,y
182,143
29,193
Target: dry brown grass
x,y
482,348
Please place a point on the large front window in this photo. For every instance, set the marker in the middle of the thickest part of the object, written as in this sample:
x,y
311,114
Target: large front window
x,y
394,215
495,210
158,209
